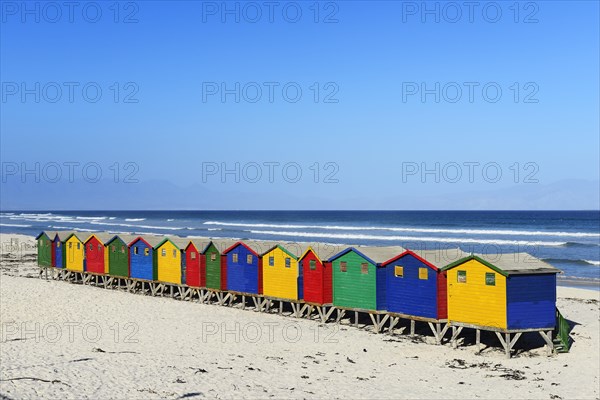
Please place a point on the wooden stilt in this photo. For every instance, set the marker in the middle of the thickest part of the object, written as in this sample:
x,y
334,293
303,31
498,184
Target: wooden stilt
x,y
548,339
478,340
412,327
375,324
340,315
455,332
356,319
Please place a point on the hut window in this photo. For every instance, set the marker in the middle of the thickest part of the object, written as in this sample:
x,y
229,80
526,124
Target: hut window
x,y
163,252
146,251
213,256
193,255
57,244
135,249
287,262
312,264
91,246
40,242
423,273
364,268
249,259
398,271
271,261
343,266
235,257
490,279
70,245
174,253
122,249
78,246
461,276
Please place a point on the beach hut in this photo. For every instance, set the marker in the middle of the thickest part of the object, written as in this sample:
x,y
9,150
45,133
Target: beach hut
x,y
244,268
142,263
118,255
96,260
281,275
58,248
74,255
214,263
191,274
168,261
502,292
416,284
316,275
45,248
359,279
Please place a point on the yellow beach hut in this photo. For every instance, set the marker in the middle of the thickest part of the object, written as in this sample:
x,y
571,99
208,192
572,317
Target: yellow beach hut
x,y
504,291
281,273
168,261
74,252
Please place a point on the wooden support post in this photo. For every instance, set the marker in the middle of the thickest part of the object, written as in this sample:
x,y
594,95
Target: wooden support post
x,y
374,320
280,307
455,332
328,313
356,319
412,327
548,339
243,302
435,330
503,342
393,323
478,340
340,315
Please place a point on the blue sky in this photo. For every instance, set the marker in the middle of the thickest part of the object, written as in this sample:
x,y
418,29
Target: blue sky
x,y
368,129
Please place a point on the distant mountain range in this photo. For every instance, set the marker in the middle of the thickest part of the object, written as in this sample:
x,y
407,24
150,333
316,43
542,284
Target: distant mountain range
x,y
159,195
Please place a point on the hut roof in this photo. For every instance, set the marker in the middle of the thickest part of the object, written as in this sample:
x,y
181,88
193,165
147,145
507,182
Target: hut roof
x,y
179,242
63,235
152,240
258,247
509,263
220,244
294,250
376,254
50,234
436,259
322,250
103,237
125,237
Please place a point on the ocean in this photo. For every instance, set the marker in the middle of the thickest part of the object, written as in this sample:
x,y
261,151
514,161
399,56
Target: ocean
x,y
569,240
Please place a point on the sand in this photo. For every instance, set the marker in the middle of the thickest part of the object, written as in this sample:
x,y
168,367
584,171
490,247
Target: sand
x,y
60,340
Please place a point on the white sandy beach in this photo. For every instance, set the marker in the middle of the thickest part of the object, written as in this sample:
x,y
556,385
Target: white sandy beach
x,y
61,340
